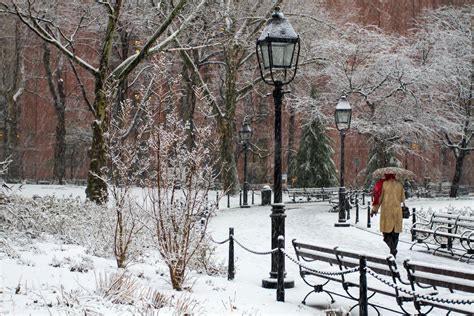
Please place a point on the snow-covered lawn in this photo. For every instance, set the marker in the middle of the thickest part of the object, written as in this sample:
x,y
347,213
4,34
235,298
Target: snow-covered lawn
x,y
43,276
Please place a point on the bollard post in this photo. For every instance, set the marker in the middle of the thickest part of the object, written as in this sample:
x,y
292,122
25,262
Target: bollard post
x,y
280,290
357,210
363,198
228,200
363,302
413,221
368,217
240,198
347,206
231,267
217,200
253,197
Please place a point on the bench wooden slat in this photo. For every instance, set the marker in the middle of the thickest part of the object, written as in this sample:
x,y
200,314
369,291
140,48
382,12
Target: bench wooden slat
x,y
446,277
343,259
434,269
314,256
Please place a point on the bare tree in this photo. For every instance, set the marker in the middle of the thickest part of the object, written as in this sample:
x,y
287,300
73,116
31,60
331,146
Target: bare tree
x,y
58,92
372,69
88,19
11,89
235,26
442,50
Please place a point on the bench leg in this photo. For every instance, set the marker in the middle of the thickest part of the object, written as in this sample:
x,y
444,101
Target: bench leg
x,y
443,246
318,289
376,309
468,256
418,241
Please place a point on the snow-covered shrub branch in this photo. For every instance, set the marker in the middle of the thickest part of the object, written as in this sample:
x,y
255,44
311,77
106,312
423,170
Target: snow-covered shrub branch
x,y
177,195
69,219
129,167
4,166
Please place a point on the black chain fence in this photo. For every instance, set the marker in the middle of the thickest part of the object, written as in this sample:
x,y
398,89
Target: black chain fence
x,y
415,294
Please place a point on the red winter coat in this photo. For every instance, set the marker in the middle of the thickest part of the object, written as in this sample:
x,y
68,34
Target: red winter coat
x,y
377,192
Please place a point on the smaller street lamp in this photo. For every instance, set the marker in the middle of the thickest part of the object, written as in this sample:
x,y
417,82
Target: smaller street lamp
x,y
342,116
245,135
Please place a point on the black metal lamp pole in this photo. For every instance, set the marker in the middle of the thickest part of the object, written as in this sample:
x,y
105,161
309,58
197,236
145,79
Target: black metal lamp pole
x,y
343,121
246,188
245,134
278,51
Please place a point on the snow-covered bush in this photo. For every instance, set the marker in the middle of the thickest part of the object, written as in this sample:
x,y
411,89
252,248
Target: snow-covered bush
x,y
203,261
69,219
129,166
177,202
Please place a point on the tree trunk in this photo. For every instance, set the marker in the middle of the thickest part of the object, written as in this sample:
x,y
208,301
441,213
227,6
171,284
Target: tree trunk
x,y
229,176
96,183
11,87
457,174
60,147
11,146
59,96
188,101
226,124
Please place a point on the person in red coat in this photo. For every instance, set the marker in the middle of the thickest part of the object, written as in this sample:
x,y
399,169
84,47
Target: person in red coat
x,y
390,200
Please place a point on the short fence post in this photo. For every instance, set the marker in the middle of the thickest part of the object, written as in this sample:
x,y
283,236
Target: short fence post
x,y
363,302
413,221
217,200
240,198
228,200
347,207
368,217
231,267
363,198
280,291
253,197
357,210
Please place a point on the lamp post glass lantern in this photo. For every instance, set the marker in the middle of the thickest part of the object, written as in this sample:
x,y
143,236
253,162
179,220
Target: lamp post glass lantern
x,y
342,116
245,135
278,50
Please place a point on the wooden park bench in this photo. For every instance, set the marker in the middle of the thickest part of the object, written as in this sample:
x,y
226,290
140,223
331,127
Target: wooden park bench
x,y
445,230
438,277
352,283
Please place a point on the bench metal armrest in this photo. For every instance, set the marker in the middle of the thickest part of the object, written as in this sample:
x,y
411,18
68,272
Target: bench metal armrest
x,y
444,229
422,221
467,239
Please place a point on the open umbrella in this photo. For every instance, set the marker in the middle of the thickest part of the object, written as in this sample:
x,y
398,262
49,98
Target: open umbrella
x,y
400,173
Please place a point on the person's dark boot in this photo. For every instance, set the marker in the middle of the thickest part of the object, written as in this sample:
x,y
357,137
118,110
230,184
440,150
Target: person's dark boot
x,y
394,252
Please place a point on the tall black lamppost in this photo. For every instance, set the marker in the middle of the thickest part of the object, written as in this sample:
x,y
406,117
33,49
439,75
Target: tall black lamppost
x,y
278,50
342,115
245,134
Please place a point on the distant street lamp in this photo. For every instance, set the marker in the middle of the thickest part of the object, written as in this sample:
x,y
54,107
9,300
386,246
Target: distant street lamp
x,y
342,115
278,50
245,135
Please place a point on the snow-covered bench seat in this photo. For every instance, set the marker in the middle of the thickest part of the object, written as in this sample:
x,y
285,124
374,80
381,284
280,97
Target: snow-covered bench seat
x,y
315,271
445,229
311,194
458,285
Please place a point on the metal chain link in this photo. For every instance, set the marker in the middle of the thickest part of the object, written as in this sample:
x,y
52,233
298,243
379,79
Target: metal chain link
x,y
218,242
348,271
256,252
418,295
320,272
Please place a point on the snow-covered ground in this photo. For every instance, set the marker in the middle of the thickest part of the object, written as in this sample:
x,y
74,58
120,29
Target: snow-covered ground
x,y
36,276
